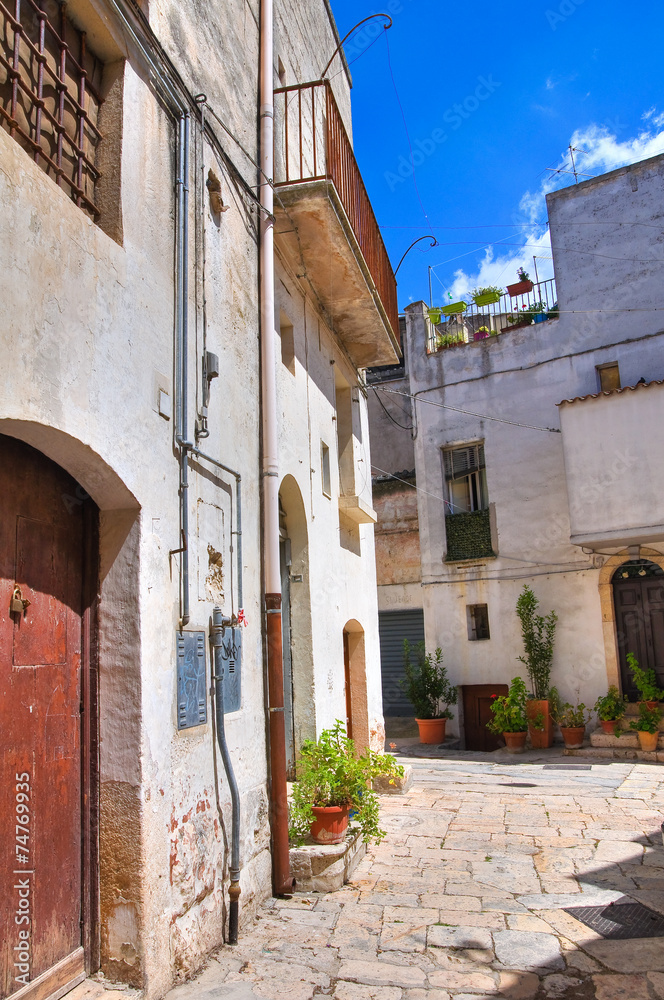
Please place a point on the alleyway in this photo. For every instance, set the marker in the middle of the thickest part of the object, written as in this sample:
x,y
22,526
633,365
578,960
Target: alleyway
x,y
466,896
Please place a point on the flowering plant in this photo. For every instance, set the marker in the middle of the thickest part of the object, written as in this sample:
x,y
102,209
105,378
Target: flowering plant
x,y
509,710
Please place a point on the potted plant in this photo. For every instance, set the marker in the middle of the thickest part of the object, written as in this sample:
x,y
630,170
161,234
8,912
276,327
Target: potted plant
x,y
610,709
572,720
481,333
427,688
537,311
523,285
538,633
487,295
508,716
434,315
333,781
645,682
647,726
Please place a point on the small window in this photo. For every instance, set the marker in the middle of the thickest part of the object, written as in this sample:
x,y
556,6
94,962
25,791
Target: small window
x,y
608,376
325,469
478,621
465,478
287,343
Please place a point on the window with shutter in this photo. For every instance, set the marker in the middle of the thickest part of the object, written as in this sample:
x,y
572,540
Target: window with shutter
x,y
465,477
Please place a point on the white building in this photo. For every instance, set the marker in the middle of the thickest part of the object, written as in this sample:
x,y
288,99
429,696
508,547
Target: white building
x,y
135,494
538,461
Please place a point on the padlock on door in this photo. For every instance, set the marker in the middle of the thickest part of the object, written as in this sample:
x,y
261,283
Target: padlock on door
x,y
18,605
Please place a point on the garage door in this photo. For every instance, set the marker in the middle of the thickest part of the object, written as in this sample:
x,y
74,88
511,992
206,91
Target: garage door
x,y
394,627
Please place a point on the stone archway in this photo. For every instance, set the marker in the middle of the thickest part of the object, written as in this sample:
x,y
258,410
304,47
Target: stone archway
x,y
298,629
607,605
118,814
356,676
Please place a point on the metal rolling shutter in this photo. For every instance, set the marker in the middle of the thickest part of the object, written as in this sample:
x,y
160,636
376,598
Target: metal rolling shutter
x,y
394,627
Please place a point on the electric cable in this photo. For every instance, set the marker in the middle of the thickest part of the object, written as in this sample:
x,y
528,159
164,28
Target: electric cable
x,y
389,415
403,117
470,413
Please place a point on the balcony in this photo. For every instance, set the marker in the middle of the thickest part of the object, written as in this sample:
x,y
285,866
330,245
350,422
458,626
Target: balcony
x,y
326,225
612,443
469,536
475,323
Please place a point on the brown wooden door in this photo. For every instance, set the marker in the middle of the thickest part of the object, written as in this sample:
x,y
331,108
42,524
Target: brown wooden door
x,y
347,688
477,712
44,776
639,604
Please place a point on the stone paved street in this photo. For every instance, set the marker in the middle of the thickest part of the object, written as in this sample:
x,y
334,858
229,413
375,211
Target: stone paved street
x,y
465,897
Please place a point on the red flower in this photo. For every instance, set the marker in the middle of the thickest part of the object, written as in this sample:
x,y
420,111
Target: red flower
x,y
494,695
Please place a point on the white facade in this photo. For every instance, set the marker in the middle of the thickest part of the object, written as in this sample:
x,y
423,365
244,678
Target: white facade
x,y
564,509
88,380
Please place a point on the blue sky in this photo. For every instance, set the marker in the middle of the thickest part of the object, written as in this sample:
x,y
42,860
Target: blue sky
x,y
492,95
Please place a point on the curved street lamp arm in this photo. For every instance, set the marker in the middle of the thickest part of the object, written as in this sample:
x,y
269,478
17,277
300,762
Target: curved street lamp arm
x,y
434,243
344,39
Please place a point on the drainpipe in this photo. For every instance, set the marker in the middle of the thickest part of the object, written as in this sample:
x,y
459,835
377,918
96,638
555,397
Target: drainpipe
x,y
282,882
182,352
217,626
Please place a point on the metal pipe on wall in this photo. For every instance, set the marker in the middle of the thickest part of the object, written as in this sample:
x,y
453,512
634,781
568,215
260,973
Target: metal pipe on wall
x,y
217,626
282,882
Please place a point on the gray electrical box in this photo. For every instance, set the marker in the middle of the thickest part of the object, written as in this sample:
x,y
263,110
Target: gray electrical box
x,y
191,671
231,654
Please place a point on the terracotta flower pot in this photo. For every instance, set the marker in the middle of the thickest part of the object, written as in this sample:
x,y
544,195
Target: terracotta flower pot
x,y
573,736
648,741
520,288
609,726
431,730
330,824
650,704
515,742
540,738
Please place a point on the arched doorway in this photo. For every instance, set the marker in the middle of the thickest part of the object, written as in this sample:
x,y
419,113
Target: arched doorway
x,y
355,685
297,642
49,572
638,595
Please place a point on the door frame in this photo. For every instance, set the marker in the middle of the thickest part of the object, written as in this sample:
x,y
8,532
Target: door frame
x,y
607,605
90,903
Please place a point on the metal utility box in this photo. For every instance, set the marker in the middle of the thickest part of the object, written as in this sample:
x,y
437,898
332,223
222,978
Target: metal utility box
x,y
192,674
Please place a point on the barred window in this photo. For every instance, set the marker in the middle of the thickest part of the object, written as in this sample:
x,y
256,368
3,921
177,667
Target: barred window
x,y
50,94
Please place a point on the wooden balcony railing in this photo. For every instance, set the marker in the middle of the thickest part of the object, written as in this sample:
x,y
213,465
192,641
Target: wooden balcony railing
x,y
311,143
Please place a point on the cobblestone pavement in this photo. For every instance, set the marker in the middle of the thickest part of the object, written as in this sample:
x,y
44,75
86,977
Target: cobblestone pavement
x,y
466,896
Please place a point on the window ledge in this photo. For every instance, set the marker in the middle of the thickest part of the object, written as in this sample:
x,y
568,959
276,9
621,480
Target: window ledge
x,y
357,510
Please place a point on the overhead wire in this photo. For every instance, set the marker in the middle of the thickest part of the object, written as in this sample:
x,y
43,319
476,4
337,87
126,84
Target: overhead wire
x,y
470,413
405,125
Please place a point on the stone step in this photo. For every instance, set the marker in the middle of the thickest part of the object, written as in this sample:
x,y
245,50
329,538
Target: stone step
x,y
626,741
617,753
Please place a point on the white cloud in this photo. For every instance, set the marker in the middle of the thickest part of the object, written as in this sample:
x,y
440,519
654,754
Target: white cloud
x,y
598,151
500,268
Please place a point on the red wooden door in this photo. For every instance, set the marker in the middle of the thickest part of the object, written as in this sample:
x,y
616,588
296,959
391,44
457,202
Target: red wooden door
x,y
42,691
477,712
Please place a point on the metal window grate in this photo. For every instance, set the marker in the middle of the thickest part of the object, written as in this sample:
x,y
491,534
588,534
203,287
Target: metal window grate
x,y
49,94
